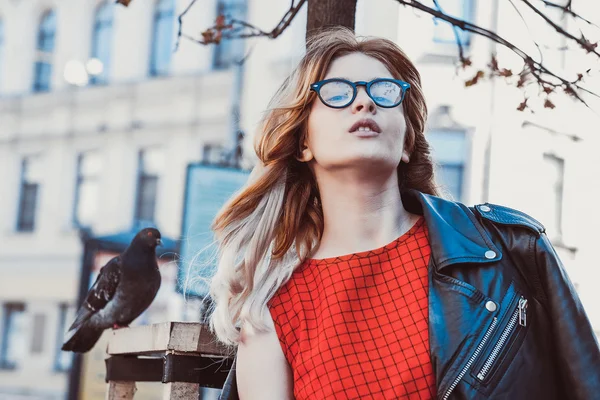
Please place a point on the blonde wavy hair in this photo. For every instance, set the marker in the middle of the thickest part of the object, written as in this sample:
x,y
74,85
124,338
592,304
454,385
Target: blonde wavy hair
x,y
276,220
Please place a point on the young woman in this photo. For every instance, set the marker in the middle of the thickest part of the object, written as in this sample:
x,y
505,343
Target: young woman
x,y
342,275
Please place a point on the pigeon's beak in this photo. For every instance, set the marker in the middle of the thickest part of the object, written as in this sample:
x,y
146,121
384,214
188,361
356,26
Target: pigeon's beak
x,y
159,242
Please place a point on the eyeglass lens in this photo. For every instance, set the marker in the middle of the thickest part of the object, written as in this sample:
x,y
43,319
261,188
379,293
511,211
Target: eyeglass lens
x,y
340,94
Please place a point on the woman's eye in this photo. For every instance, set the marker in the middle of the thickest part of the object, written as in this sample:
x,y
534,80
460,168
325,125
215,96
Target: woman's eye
x,y
338,98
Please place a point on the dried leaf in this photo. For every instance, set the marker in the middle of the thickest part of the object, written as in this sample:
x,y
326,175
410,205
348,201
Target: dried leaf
x,y
207,36
522,80
475,79
124,2
549,104
588,45
522,106
548,89
569,90
505,72
466,61
220,22
494,63
217,37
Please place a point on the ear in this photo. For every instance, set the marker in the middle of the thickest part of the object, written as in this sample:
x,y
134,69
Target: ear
x,y
405,156
306,154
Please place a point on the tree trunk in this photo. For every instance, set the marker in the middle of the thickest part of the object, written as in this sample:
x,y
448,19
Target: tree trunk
x,y
324,13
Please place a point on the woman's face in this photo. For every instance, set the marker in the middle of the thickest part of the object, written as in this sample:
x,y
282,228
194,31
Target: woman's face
x,y
331,142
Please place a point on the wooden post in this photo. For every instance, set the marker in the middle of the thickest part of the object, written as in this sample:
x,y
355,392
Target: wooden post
x,y
184,356
118,390
180,391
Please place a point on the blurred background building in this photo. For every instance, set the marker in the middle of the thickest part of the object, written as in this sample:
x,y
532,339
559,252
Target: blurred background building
x,y
99,120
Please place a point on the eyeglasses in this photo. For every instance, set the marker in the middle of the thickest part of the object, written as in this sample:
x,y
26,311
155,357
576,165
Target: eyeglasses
x,y
340,93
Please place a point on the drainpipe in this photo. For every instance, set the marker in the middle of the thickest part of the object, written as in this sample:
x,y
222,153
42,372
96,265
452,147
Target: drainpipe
x,y
235,117
488,149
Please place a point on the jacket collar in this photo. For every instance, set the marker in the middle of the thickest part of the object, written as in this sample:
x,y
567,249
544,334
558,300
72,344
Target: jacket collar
x,y
455,235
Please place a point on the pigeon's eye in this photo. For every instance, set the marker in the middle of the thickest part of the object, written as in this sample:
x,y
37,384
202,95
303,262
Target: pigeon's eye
x,y
149,233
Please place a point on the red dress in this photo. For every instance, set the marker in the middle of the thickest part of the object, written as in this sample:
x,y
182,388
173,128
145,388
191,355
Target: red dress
x,y
356,326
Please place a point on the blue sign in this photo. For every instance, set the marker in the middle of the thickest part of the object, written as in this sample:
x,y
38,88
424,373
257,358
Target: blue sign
x,y
207,189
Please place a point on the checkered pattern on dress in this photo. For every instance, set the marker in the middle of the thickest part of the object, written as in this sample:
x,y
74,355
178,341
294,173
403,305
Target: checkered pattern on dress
x,y
356,326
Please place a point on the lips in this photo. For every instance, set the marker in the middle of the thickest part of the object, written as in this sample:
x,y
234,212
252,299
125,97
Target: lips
x,y
365,125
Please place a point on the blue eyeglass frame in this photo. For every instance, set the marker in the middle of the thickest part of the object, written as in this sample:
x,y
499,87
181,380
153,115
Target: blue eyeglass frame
x,y
316,87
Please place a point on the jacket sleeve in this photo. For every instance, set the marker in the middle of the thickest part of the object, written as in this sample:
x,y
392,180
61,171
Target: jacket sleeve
x,y
576,345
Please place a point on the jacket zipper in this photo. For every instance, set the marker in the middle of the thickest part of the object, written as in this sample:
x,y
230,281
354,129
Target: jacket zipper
x,y
520,316
472,359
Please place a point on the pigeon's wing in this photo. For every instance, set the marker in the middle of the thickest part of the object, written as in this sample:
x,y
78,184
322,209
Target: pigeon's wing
x,y
101,292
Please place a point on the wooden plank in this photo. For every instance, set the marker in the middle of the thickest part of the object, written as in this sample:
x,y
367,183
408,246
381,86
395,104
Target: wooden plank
x,y
197,338
140,339
133,368
169,336
180,391
192,368
119,390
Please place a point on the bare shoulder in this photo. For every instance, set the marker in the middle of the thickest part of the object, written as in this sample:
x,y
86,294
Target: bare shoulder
x,y
262,372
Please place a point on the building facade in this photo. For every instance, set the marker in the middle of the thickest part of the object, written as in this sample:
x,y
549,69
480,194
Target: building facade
x,y
99,119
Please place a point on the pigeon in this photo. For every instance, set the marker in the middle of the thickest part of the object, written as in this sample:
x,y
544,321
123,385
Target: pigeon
x,y
125,287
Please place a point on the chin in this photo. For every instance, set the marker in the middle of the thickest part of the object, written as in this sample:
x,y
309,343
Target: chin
x,y
382,161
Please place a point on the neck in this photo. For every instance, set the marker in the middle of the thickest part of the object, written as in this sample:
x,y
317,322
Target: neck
x,y
360,212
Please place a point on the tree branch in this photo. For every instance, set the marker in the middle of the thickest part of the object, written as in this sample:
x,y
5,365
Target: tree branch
x,y
547,80
180,21
537,69
583,42
567,10
461,53
236,29
541,54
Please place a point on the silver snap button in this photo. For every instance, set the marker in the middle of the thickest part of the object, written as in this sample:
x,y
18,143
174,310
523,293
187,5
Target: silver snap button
x,y
485,209
491,306
490,254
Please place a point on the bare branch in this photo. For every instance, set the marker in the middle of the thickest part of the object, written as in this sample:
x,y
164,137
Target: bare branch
x,y
567,10
541,54
180,21
236,29
547,80
461,53
537,69
583,42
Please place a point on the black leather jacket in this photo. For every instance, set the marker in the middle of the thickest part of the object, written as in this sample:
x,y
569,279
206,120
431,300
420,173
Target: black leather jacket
x,y
505,321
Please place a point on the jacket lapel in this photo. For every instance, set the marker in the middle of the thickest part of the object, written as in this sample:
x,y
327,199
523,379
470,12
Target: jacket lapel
x,y
455,236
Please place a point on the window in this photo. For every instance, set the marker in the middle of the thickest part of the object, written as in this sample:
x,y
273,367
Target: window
x,y
151,164
45,47
89,166
30,182
443,31
448,149
162,37
63,359
229,51
554,170
102,40
37,339
13,335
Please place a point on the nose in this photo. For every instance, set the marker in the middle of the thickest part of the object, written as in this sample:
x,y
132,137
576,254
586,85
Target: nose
x,y
363,101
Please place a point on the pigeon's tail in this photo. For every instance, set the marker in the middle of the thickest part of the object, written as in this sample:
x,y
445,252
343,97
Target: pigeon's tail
x,y
82,339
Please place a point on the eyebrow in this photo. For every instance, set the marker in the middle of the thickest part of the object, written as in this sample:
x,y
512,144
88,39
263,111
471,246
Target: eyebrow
x,y
348,79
